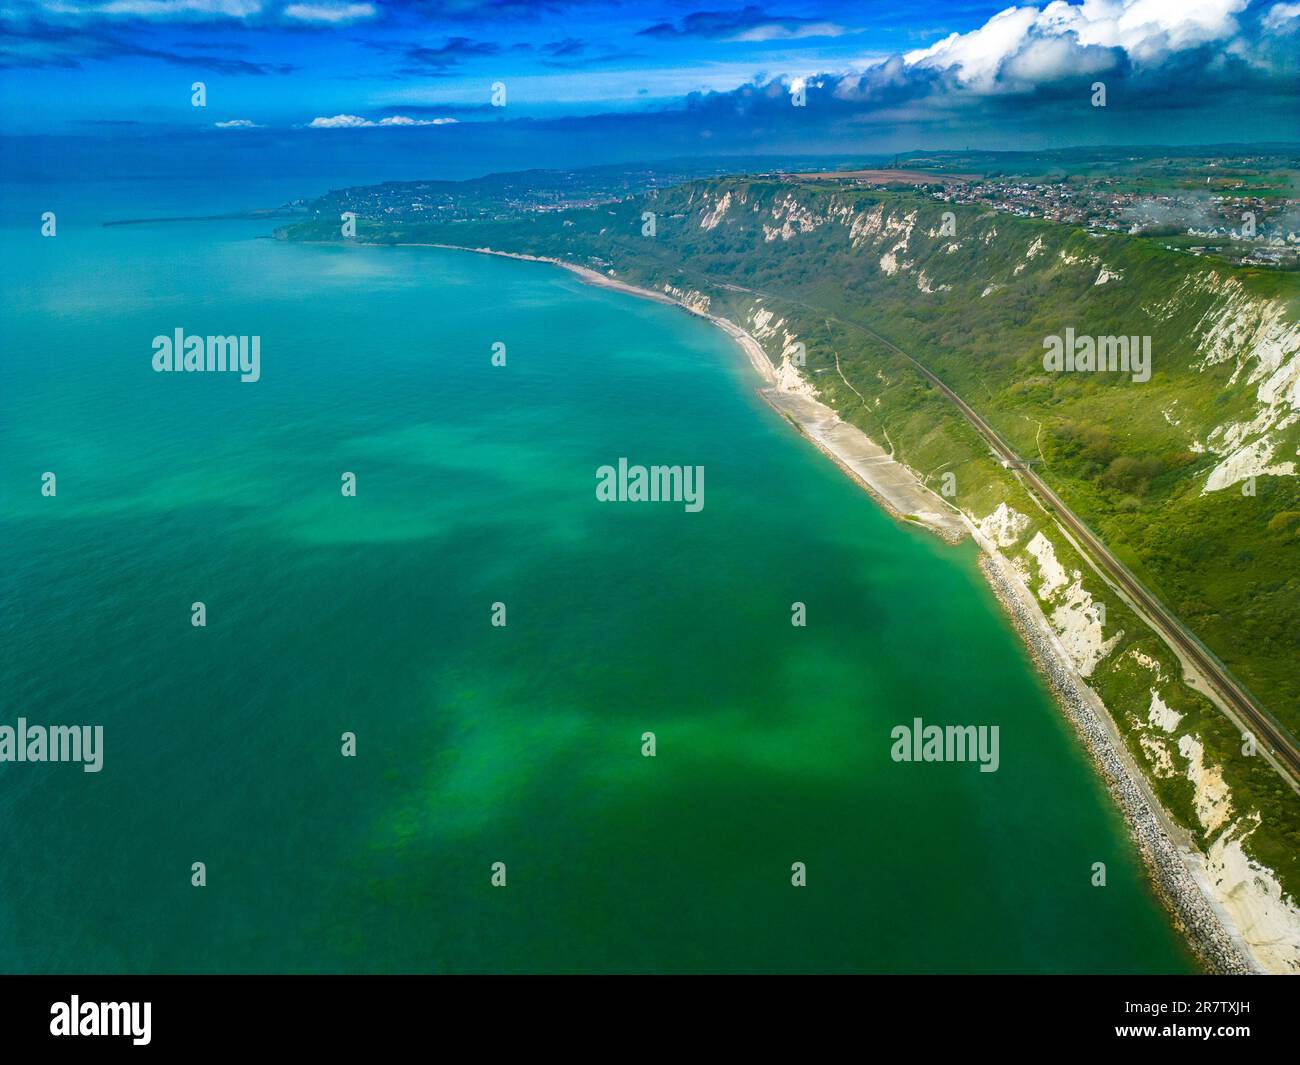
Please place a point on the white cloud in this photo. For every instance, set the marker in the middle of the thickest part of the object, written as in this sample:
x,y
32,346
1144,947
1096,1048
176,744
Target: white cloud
x,y
1033,45
165,9
977,55
331,13
402,120
1280,14
775,31
339,122
237,123
357,122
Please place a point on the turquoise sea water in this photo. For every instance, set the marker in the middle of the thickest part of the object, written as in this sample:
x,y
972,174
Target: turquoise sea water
x,y
478,744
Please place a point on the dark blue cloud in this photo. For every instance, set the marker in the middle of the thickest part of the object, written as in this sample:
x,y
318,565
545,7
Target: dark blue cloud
x,y
484,11
35,44
752,21
569,46
452,52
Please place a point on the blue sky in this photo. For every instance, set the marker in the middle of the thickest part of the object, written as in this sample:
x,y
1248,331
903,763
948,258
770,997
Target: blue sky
x,y
875,74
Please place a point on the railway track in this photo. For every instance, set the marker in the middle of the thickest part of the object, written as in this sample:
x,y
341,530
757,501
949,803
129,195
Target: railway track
x,y
1271,738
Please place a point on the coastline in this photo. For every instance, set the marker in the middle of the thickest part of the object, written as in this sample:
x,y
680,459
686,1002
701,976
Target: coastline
x,y
1177,869
895,487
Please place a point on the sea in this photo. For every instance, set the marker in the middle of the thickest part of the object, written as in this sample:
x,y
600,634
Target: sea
x,y
449,711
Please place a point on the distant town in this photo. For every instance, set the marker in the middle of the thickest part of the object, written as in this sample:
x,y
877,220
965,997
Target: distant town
x,y
1240,209
1244,228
